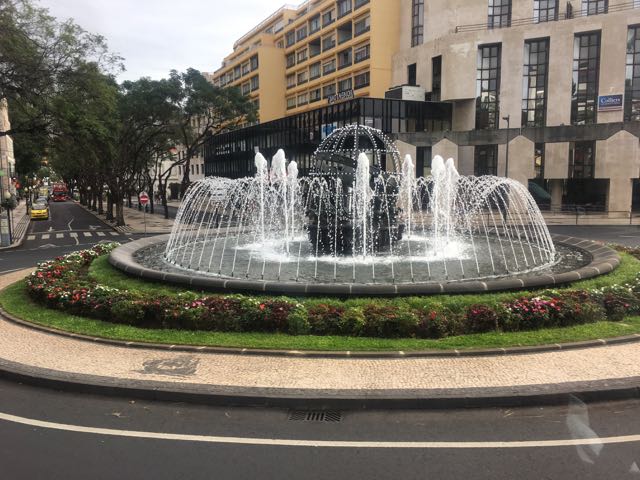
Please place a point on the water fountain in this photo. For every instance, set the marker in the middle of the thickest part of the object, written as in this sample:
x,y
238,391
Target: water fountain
x,y
362,223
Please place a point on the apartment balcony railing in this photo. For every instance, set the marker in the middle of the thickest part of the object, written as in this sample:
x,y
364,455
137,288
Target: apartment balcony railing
x,y
568,15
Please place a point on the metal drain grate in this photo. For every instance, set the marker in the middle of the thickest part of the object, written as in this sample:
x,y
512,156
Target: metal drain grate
x,y
315,415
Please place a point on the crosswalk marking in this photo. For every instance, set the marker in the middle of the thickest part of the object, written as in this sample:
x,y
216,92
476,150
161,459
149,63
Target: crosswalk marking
x,y
47,236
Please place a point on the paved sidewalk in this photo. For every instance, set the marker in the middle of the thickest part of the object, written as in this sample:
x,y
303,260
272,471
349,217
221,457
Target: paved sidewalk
x,y
135,222
20,221
236,378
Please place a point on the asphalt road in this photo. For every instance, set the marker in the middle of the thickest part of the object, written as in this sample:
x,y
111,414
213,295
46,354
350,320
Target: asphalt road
x,y
106,438
69,228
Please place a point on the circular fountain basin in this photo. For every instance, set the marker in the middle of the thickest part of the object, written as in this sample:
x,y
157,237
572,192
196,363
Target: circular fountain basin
x,y
259,270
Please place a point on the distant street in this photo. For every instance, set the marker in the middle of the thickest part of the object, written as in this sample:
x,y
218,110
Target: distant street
x,y
69,228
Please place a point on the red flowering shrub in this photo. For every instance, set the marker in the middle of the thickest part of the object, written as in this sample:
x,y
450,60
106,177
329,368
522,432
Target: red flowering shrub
x,y
481,318
324,319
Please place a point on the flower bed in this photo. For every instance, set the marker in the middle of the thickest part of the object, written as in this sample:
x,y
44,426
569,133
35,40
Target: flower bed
x,y
64,284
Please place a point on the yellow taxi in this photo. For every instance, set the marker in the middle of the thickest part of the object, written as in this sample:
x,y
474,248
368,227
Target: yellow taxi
x,y
39,211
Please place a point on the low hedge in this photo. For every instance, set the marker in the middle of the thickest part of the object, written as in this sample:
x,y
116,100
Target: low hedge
x,y
64,284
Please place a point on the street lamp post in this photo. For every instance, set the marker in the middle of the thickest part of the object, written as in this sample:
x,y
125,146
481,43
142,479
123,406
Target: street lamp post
x,y
7,197
506,163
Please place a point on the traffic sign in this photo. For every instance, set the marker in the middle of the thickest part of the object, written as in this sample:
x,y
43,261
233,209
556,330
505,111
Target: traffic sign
x,y
144,198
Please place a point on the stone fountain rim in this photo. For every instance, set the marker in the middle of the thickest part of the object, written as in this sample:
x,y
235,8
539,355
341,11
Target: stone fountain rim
x,y
603,260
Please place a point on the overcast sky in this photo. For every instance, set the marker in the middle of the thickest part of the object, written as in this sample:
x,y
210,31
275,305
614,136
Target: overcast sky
x,y
155,36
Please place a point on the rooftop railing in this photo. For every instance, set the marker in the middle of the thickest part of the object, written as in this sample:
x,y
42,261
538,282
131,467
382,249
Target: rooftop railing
x,y
551,18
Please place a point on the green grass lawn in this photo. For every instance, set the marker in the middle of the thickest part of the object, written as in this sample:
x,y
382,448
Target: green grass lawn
x,y
15,300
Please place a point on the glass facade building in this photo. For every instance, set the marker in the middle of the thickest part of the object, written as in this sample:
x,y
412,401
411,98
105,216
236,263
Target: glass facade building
x,y
232,154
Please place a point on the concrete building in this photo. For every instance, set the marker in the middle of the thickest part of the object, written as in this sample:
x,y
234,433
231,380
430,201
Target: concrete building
x,y
7,160
564,76
322,49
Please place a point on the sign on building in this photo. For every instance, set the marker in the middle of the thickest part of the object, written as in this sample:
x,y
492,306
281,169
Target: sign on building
x,y
607,103
340,96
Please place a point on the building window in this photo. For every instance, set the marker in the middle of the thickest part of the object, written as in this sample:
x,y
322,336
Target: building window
x,y
632,80
303,99
290,38
582,157
534,83
345,32
246,88
361,54
301,33
291,103
329,67
538,161
344,84
328,42
291,80
237,72
302,77
586,65
412,75
246,68
314,24
344,7
436,78
359,3
328,18
595,7
344,58
314,71
488,86
254,62
361,80
499,13
545,10
362,25
302,55
314,95
485,160
291,60
255,83
328,90
417,22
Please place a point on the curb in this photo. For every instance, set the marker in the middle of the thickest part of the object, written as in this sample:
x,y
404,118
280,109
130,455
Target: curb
x,y
220,395
487,352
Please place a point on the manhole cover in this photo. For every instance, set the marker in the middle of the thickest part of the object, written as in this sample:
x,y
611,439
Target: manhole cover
x,y
315,415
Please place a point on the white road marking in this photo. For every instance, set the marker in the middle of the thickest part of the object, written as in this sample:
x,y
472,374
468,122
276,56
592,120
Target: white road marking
x,y
100,234
88,234
45,236
284,442
31,237
115,234
59,235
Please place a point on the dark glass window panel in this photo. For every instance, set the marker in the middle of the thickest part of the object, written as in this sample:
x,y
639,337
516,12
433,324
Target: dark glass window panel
x,y
499,13
534,83
632,76
582,156
485,160
586,66
488,91
545,10
417,22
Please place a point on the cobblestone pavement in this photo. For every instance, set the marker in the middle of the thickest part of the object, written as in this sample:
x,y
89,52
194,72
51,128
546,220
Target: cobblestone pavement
x,y
38,349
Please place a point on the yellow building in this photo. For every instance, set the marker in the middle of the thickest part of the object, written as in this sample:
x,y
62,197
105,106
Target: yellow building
x,y
321,51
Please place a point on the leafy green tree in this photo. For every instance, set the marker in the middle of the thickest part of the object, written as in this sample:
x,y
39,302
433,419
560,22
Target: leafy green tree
x,y
205,110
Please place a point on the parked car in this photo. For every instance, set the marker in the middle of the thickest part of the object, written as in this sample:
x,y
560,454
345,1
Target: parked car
x,y
40,211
